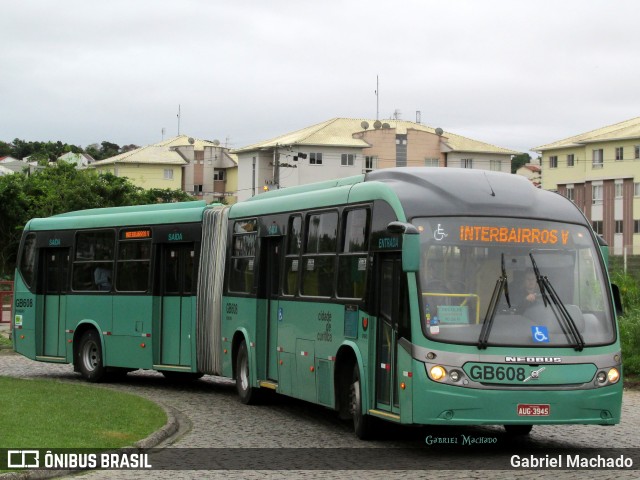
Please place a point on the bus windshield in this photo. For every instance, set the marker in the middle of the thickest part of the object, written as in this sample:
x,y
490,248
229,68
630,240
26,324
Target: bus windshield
x,y
512,282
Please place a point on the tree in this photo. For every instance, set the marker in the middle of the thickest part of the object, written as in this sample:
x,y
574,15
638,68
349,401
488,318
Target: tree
x,y
109,149
61,188
519,160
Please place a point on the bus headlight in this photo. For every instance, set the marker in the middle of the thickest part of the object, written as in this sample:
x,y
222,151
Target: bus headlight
x,y
437,373
613,375
601,377
454,375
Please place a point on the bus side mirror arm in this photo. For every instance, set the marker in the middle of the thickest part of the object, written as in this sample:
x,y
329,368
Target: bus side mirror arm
x,y
410,244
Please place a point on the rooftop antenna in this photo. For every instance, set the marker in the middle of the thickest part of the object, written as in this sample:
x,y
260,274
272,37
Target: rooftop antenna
x,y
377,92
178,119
418,116
162,133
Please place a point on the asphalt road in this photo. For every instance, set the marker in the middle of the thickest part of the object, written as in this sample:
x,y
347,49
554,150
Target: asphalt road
x,y
211,416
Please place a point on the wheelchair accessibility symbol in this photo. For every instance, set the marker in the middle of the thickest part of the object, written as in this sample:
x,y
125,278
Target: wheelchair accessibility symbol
x,y
439,234
540,334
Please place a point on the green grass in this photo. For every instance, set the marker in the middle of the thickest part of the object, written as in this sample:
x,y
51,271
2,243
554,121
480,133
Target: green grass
x,y
629,322
53,414
5,342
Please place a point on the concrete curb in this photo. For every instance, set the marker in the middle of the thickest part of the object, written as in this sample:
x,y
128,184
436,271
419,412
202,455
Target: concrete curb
x,y
167,431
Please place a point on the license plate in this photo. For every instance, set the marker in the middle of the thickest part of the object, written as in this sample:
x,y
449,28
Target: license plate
x,y
529,410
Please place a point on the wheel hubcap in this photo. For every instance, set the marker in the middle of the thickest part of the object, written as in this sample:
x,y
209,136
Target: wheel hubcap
x,y
90,357
244,374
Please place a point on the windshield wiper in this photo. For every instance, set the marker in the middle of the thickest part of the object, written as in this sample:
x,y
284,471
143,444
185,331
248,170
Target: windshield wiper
x,y
501,285
550,297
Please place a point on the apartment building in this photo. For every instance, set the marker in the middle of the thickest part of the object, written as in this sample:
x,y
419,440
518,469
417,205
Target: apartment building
x,y
341,147
600,172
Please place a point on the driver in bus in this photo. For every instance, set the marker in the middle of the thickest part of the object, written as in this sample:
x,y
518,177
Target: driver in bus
x,y
529,294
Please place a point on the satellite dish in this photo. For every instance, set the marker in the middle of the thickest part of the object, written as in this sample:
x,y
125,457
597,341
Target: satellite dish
x,y
439,131
191,140
377,124
386,125
216,142
364,124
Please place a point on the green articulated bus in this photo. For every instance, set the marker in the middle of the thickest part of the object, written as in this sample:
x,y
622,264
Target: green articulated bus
x,y
429,296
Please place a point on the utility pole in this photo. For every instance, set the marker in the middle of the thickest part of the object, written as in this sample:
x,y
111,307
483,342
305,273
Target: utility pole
x,y
178,119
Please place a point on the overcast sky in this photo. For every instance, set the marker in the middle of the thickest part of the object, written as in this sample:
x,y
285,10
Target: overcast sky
x,y
514,73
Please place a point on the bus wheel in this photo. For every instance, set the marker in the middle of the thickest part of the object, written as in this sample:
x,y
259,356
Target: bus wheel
x,y
362,424
248,394
90,357
518,430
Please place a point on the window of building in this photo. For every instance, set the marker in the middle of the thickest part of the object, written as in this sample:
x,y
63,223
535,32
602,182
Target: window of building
x,y
243,253
93,260
315,158
596,194
168,173
431,162
636,226
197,189
218,175
618,189
553,161
619,226
571,160
619,153
466,163
347,160
570,193
636,189
370,163
598,158
320,254
495,165
597,227
636,151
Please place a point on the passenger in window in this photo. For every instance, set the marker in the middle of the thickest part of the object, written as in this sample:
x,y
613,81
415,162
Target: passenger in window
x,y
102,278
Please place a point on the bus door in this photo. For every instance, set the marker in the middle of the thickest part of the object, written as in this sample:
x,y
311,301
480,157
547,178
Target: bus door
x,y
177,291
54,262
389,298
272,246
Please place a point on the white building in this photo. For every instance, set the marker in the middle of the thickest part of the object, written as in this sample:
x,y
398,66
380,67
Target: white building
x,y
342,147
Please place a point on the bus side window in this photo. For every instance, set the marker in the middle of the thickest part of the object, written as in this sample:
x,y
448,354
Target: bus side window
x,y
352,262
319,261
93,260
28,258
243,253
134,260
292,260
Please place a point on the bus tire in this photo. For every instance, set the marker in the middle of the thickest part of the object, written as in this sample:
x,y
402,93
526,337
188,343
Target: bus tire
x,y
90,360
518,430
362,423
248,394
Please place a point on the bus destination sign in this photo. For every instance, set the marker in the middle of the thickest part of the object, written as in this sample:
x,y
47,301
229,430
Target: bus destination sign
x,y
137,234
527,235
